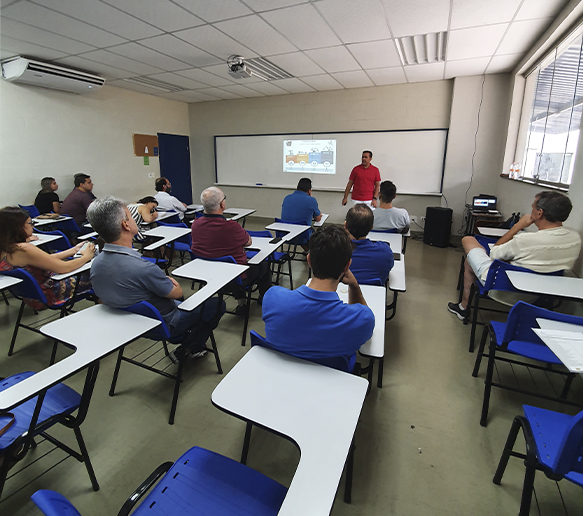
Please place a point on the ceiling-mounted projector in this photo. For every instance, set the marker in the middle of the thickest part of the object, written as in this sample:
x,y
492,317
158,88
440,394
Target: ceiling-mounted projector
x,y
237,67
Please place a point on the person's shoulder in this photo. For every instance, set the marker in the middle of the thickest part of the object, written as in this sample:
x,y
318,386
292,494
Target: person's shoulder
x,y
274,294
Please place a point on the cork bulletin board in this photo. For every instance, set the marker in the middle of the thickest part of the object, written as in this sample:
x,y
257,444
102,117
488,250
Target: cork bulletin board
x,y
145,144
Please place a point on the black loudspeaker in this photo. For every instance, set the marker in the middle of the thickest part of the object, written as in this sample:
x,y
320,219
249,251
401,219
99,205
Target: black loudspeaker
x,y
438,226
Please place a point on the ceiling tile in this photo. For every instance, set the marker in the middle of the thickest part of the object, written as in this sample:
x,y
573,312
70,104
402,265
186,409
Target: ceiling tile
x,y
134,87
375,54
333,59
221,93
267,88
522,35
205,77
539,9
211,40
105,57
256,34
265,5
476,42
382,76
356,79
58,23
190,96
107,71
416,16
178,80
179,49
164,15
473,13
297,64
504,63
341,15
322,82
242,91
215,10
148,56
303,26
12,47
106,17
466,67
424,72
293,85
222,71
20,31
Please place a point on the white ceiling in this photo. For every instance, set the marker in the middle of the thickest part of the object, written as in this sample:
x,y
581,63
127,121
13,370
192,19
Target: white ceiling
x,y
324,44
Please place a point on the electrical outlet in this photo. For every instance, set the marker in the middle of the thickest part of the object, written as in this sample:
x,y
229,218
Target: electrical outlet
x,y
413,219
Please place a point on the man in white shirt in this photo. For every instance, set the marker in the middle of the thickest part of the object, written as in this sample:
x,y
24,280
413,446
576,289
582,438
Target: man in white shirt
x,y
167,202
551,248
387,216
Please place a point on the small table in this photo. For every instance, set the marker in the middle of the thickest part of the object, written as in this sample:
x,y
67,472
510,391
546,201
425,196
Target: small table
x,y
7,282
324,217
167,234
44,239
195,207
491,232
215,275
565,340
560,286
79,270
264,247
87,236
316,406
162,215
44,222
292,230
393,239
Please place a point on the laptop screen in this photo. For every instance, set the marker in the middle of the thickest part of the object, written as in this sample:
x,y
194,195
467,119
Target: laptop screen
x,y
485,203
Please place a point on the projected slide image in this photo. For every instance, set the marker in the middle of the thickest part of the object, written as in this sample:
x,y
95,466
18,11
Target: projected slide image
x,y
309,156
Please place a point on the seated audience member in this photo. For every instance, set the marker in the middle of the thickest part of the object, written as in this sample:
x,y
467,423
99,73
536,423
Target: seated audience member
x,y
311,321
371,261
144,211
213,236
551,248
300,206
166,202
77,202
387,216
16,229
47,200
122,278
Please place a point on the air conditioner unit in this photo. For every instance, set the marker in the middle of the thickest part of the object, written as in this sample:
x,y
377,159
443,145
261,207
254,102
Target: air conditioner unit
x,y
48,75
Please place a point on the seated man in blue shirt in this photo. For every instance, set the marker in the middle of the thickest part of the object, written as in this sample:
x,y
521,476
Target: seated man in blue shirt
x,y
371,261
300,207
312,322
121,278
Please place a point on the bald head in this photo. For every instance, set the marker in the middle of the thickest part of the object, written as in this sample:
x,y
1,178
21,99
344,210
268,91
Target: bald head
x,y
212,199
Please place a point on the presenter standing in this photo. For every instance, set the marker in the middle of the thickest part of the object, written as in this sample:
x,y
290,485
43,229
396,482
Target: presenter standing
x,y
365,179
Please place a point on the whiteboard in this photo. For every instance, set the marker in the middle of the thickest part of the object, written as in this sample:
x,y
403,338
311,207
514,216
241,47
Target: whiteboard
x,y
412,159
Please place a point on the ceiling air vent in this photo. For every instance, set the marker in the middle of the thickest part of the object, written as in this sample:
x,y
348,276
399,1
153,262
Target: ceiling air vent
x,y
422,48
154,84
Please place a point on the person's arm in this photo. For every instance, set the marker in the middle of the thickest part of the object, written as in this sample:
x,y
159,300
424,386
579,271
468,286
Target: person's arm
x,y
355,295
316,212
31,255
523,223
178,205
346,193
176,292
56,206
376,194
318,217
146,215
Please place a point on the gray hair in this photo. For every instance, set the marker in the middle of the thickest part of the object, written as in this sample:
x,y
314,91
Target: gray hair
x,y
106,216
211,199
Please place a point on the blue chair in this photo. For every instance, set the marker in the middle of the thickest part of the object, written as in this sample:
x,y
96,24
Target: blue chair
x,y
554,445
31,209
61,244
29,289
183,244
496,280
484,241
163,334
277,258
513,340
199,482
302,239
37,415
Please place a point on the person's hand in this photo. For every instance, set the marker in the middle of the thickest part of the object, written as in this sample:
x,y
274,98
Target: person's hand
x,y
344,201
155,215
525,221
32,237
374,203
89,251
173,281
348,279
77,247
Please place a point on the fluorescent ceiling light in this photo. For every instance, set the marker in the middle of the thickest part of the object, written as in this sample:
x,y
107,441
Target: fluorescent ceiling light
x,y
422,48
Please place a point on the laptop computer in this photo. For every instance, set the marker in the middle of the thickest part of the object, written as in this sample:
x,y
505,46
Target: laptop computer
x,y
485,203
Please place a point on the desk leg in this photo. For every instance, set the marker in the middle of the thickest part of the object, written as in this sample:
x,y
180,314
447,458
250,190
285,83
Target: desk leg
x,y
380,371
246,446
349,473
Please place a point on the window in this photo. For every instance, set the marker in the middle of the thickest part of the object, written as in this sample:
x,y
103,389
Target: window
x,y
551,115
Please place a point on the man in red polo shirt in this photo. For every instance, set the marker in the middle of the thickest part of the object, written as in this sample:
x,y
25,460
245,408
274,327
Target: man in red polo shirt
x,y
365,179
213,236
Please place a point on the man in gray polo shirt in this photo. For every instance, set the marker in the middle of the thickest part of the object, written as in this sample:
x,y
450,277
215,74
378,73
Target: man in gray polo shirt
x,y
120,278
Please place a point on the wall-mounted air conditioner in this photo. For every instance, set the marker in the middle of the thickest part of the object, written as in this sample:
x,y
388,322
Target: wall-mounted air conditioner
x,y
48,75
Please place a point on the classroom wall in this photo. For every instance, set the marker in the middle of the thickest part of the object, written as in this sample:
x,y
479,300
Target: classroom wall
x,y
401,106
50,133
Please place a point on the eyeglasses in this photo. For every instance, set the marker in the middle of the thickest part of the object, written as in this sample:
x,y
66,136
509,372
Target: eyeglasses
x,y
224,198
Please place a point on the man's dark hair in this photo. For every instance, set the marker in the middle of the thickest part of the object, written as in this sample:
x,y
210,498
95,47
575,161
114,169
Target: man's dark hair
x,y
304,184
369,152
46,183
387,191
79,179
555,206
330,251
12,220
359,220
147,199
159,184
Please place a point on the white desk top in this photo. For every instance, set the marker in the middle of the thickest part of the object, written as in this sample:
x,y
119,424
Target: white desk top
x,y
162,215
561,286
79,270
167,234
493,232
195,207
564,340
292,230
264,247
8,281
215,274
44,239
394,239
87,236
237,213
44,222
316,406
116,328
397,276
324,217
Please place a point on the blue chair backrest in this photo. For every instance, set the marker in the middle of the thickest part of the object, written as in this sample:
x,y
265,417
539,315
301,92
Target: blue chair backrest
x,y
52,503
148,310
32,210
263,233
61,244
497,279
571,456
28,288
341,363
522,318
484,241
70,226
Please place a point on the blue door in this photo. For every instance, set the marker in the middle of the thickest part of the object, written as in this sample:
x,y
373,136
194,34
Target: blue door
x,y
175,164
